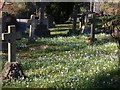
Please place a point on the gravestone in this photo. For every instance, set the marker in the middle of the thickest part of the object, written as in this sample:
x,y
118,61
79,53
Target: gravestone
x,y
87,30
93,23
42,28
32,28
4,42
50,21
12,69
45,22
85,27
6,20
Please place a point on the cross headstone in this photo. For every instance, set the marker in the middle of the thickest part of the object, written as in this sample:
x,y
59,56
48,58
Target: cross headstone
x,y
10,37
12,68
32,28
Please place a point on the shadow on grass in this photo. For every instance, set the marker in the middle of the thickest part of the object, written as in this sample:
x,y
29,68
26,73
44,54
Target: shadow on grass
x,y
108,80
104,41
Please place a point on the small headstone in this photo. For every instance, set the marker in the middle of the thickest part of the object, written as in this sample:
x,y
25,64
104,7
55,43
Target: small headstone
x,y
50,21
45,22
87,30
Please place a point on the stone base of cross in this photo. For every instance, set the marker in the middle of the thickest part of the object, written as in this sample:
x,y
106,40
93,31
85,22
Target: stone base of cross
x,y
91,40
12,68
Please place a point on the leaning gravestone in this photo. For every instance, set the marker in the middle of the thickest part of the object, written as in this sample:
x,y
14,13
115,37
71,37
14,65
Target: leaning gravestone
x,y
12,68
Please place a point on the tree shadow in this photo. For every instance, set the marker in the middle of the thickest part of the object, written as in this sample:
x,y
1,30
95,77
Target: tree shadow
x,y
108,80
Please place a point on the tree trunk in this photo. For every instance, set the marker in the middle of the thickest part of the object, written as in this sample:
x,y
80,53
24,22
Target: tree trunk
x,y
41,17
74,22
93,26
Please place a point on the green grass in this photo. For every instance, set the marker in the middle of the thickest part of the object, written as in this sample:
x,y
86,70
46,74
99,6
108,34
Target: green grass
x,y
67,62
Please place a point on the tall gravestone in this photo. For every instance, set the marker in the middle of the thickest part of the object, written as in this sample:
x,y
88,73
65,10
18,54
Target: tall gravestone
x,y
32,28
42,28
12,69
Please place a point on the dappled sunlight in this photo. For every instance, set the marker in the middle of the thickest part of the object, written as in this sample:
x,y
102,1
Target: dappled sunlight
x,y
68,62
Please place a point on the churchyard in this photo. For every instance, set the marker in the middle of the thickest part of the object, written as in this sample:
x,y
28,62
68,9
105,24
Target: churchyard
x,y
67,62
79,53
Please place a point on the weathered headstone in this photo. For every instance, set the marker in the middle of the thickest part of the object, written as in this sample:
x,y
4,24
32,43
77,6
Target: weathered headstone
x,y
87,30
45,22
42,28
85,27
12,68
32,28
81,21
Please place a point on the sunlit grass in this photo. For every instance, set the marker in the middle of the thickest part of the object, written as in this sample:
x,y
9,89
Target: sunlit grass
x,y
68,62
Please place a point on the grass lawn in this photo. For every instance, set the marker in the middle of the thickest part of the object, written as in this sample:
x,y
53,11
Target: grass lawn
x,y
67,62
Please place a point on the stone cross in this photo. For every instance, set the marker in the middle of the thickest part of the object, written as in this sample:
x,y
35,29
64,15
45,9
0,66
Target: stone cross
x,y
10,37
32,27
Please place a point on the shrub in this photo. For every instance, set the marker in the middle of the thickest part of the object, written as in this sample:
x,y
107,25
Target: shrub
x,y
8,19
60,11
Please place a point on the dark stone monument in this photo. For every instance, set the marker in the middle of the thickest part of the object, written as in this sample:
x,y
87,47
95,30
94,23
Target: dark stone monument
x,y
50,21
12,68
42,26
